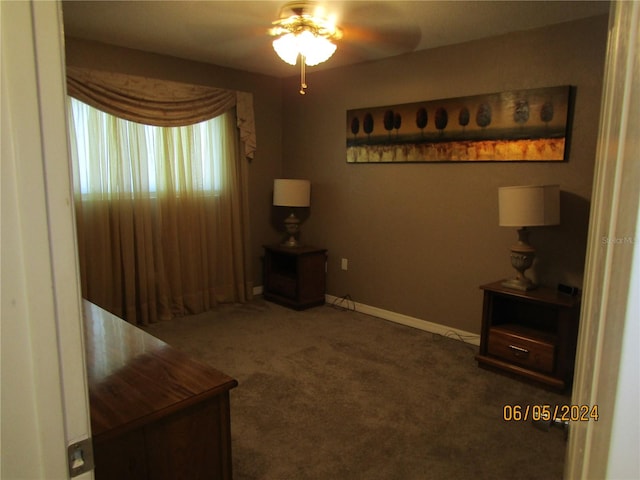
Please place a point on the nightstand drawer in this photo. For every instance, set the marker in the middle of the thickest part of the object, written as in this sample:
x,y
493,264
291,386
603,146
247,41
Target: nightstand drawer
x,y
518,347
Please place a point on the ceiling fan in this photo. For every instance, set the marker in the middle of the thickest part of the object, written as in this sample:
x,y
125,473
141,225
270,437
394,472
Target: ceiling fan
x,y
304,32
310,33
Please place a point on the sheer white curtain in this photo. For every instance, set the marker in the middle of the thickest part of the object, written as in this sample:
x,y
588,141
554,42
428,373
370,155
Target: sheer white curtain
x,y
161,214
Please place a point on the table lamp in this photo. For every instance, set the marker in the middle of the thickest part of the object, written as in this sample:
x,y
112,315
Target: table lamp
x,y
291,193
523,207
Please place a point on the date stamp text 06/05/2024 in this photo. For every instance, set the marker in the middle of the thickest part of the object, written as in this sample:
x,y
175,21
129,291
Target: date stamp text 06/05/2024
x,y
563,413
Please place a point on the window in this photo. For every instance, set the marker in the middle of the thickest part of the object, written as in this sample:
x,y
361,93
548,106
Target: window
x,y
160,214
113,156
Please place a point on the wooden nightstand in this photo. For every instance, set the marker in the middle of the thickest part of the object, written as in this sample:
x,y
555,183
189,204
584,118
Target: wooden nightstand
x,y
531,334
295,276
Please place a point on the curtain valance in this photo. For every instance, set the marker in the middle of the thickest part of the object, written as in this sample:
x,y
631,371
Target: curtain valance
x,y
161,102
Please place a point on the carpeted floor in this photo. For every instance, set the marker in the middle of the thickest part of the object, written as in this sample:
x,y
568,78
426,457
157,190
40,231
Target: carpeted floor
x,y
333,394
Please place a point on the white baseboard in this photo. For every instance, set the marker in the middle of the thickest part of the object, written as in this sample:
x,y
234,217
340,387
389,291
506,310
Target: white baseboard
x,y
408,321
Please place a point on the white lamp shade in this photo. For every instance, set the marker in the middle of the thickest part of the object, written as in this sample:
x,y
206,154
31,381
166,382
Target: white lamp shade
x,y
291,193
529,206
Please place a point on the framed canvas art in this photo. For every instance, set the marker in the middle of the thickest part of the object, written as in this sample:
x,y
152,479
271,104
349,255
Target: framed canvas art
x,y
517,126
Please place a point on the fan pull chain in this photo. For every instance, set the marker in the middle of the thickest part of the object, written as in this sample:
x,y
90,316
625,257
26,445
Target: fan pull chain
x,y
303,78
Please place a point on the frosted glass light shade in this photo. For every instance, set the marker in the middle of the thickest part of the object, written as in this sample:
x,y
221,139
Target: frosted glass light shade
x,y
291,193
286,48
313,48
529,206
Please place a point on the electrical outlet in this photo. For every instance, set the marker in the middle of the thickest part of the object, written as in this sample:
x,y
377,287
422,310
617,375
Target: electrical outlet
x,y
344,264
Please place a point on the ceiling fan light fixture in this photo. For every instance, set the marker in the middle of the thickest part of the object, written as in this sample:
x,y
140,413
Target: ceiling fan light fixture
x,y
287,48
304,35
315,49
311,48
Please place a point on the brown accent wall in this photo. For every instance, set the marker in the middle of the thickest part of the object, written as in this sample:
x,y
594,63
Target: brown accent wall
x,y
267,163
421,238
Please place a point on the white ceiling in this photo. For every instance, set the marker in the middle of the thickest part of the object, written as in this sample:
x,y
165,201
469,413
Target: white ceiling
x,y
234,33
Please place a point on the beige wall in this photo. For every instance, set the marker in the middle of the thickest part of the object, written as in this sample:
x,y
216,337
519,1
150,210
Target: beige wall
x,y
421,238
267,163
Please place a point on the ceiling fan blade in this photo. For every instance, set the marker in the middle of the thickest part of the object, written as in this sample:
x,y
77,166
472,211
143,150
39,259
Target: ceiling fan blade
x,y
372,43
371,30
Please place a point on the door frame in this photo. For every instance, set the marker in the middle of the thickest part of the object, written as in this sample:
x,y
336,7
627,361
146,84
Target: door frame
x,y
607,358
45,404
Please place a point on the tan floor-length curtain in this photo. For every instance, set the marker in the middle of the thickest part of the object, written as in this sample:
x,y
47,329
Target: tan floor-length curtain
x,y
159,239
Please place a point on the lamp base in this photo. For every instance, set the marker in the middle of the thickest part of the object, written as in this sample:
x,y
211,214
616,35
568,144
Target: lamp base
x,y
292,226
523,284
522,256
291,242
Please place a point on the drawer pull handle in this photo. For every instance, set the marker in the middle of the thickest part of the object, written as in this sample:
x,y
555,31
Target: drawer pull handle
x,y
519,351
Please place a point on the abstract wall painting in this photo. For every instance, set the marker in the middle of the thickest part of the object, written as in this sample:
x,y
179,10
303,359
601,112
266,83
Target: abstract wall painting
x,y
517,126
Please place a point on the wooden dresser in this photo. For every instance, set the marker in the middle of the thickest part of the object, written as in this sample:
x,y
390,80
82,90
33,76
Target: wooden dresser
x,y
155,412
